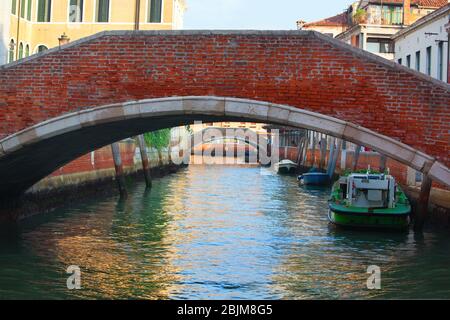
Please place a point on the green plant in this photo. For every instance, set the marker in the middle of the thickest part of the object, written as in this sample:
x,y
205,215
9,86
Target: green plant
x,y
360,16
158,139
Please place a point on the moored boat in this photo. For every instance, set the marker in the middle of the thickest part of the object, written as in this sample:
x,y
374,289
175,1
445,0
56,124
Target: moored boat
x,y
285,166
314,177
368,200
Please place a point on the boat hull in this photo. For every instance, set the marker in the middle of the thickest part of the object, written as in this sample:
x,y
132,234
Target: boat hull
x,y
286,169
369,220
315,178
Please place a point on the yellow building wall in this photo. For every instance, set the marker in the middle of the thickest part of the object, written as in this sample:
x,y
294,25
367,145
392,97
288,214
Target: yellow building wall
x,y
122,17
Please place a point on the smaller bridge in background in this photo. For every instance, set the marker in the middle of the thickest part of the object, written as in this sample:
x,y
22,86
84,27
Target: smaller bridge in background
x,y
213,134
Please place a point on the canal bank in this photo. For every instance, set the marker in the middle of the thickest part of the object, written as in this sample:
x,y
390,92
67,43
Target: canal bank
x,y
94,174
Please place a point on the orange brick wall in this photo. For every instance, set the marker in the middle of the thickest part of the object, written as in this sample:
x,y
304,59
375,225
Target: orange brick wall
x,y
102,160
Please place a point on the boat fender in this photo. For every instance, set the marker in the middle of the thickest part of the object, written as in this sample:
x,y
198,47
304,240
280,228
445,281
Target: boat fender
x,y
300,177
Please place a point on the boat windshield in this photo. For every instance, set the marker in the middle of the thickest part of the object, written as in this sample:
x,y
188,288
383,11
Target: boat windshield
x,y
369,177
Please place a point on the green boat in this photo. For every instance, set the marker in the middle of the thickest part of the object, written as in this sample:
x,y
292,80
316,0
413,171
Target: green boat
x,y
366,200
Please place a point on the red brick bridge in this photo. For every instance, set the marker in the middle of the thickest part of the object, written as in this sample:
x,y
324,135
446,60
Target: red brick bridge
x,y
58,105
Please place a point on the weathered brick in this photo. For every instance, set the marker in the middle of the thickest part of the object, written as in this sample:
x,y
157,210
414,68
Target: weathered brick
x,y
302,70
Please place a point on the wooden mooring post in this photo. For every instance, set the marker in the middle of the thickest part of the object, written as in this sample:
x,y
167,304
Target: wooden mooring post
x,y
300,148
323,150
331,155
144,158
120,178
313,149
356,157
334,158
421,211
383,159
305,149
307,145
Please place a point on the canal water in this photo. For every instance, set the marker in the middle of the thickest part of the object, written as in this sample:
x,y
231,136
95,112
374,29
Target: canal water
x,y
215,232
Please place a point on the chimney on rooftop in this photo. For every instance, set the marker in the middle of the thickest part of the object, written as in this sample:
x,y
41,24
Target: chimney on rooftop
x,y
406,12
63,39
300,24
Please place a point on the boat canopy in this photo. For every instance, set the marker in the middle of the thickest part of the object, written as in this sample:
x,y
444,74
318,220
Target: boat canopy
x,y
370,190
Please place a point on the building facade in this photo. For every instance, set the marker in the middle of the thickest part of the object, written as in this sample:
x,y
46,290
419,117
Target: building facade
x,y
5,12
370,24
331,26
31,26
259,128
447,27
424,45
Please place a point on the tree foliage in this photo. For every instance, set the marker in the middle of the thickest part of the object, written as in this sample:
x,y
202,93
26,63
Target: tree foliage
x,y
158,139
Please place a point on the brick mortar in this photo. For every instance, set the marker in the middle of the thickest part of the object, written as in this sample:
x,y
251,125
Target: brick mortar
x,y
275,33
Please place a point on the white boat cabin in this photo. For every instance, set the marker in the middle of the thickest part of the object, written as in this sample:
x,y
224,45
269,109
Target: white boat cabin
x,y
369,190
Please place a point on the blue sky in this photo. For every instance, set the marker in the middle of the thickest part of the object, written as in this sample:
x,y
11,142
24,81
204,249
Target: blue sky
x,y
258,14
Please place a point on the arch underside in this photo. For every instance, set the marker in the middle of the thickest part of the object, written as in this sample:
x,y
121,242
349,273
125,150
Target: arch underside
x,y
32,154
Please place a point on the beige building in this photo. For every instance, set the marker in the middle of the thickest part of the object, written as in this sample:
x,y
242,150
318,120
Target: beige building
x,y
331,26
31,26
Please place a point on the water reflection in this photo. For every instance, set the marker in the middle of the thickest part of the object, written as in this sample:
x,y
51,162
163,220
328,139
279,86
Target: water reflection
x,y
215,232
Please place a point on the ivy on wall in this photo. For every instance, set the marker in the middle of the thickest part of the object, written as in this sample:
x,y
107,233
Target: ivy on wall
x,y
158,139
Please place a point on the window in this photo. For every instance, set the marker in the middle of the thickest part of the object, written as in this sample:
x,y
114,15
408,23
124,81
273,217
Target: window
x,y
379,45
408,61
21,50
102,11
399,61
29,10
42,48
27,51
22,8
76,11
12,45
155,11
392,15
440,60
13,6
418,60
385,47
373,46
397,15
44,10
428,61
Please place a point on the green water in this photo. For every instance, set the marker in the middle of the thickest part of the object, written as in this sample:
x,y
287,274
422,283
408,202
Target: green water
x,y
214,232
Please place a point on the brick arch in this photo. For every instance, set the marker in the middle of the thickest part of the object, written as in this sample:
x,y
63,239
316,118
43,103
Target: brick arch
x,y
300,69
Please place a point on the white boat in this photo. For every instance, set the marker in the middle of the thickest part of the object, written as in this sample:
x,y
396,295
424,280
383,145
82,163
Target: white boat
x,y
285,166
